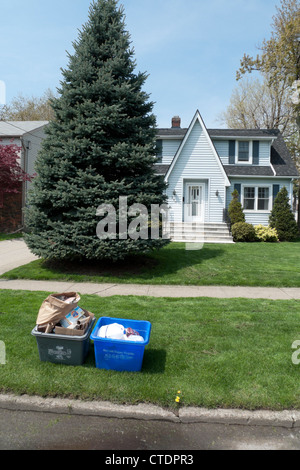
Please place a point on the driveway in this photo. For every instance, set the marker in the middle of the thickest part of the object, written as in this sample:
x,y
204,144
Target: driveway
x,y
14,253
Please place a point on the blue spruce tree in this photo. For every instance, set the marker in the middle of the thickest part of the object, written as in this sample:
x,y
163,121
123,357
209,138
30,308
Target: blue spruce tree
x,y
100,146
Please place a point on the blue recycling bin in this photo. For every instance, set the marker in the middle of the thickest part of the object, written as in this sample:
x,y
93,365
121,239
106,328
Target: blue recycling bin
x,y
120,355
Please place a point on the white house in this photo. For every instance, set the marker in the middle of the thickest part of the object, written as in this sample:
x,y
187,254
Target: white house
x,y
203,166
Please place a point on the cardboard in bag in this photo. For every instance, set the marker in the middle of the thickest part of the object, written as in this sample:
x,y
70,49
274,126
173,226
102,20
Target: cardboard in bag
x,y
60,330
53,309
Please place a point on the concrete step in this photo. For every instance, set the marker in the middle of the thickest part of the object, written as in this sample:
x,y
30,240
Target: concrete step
x,y
195,232
201,240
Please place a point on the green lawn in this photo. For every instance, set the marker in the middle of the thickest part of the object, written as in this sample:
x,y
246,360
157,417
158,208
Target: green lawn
x,y
244,264
10,236
218,352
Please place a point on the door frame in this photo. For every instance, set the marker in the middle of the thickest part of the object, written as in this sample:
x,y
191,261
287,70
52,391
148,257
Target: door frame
x,y
186,186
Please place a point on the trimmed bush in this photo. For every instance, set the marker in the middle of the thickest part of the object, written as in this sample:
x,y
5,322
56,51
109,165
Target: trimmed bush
x,y
282,217
235,209
243,232
265,234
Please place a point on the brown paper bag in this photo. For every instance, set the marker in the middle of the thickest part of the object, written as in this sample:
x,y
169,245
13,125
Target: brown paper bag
x,y
53,309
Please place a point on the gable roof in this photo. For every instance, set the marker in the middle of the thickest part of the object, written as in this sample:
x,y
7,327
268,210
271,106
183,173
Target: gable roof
x,y
19,128
281,160
197,118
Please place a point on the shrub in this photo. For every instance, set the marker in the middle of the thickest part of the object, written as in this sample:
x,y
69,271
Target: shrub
x,y
243,232
266,234
235,209
282,217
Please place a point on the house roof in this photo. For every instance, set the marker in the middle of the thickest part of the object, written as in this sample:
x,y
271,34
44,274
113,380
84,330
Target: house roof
x,y
250,133
19,128
281,159
251,170
198,118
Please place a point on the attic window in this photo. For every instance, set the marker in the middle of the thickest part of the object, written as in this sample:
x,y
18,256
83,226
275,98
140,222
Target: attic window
x,y
243,151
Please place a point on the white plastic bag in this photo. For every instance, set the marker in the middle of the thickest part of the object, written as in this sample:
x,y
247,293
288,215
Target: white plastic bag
x,y
112,331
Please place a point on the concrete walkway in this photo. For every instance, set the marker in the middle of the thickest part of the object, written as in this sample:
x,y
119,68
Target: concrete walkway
x,y
14,253
108,290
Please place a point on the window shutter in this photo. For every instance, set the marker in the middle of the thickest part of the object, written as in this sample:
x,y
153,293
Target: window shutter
x,y
256,152
238,187
276,189
231,152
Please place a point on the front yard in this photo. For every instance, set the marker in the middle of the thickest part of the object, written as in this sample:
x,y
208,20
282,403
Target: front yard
x,y
244,264
218,352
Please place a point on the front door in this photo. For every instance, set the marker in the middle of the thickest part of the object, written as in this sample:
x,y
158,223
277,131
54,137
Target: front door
x,y
193,203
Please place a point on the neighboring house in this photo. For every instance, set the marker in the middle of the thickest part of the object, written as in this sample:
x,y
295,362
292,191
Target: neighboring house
x,y
27,135
203,166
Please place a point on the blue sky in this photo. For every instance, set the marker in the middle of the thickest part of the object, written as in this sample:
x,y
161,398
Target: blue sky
x,y
191,49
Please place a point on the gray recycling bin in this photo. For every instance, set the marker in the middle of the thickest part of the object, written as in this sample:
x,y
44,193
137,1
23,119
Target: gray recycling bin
x,y
63,349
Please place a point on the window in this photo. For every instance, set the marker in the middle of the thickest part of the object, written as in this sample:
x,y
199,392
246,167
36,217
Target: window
x,y
263,199
249,198
256,198
243,152
159,151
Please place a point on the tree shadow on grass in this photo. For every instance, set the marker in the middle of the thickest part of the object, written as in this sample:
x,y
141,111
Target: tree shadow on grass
x,y
159,263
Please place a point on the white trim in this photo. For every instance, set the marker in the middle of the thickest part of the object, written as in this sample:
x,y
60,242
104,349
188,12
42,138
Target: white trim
x,y
272,167
256,186
250,153
198,118
264,176
201,185
240,137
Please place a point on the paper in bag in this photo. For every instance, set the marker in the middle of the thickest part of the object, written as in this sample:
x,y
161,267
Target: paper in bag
x,y
53,309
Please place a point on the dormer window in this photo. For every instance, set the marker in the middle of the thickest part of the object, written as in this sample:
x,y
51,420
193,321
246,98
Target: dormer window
x,y
243,151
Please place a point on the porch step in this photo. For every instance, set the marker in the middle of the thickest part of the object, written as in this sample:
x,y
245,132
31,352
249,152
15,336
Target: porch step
x,y
206,232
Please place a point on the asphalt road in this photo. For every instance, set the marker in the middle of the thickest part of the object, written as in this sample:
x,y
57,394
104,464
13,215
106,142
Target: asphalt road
x,y
27,430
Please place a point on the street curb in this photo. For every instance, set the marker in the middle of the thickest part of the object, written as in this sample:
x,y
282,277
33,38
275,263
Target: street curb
x,y
287,418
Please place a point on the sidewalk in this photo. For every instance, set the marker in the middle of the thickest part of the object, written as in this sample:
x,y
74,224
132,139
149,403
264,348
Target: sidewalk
x,y
108,290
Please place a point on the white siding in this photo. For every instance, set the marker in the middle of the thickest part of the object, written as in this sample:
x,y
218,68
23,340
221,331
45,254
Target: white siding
x,y
264,153
169,149
222,147
197,162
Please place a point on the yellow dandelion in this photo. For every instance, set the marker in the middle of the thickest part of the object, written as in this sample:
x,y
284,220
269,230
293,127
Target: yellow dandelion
x,y
177,399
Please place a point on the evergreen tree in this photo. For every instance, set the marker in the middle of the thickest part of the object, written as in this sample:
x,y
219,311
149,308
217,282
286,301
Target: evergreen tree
x,y
235,209
100,146
282,217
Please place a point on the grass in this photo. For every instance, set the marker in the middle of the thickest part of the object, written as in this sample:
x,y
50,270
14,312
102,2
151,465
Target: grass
x,y
218,352
244,264
10,236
